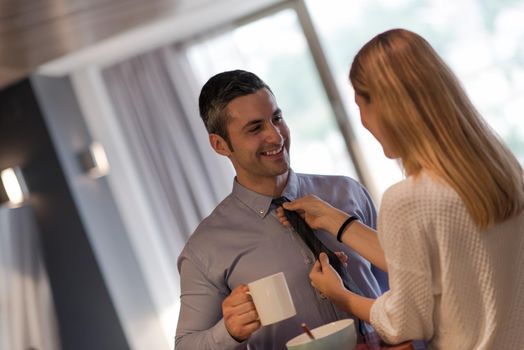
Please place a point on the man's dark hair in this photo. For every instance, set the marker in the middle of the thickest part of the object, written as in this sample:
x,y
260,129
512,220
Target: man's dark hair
x,y
219,91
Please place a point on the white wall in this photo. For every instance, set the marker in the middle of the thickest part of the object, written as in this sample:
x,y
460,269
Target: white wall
x,y
107,233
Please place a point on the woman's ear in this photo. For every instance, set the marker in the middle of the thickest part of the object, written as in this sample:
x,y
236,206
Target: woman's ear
x,y
219,145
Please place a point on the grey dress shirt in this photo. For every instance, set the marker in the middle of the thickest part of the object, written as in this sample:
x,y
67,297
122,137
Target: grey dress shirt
x,y
242,241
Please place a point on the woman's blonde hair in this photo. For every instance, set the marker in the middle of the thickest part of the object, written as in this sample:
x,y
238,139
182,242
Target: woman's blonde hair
x,y
429,121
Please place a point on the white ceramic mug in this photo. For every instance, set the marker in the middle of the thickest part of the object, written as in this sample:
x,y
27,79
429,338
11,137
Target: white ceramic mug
x,y
339,335
272,299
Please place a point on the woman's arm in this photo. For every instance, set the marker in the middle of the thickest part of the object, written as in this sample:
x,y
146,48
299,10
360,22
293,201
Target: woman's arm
x,y
364,240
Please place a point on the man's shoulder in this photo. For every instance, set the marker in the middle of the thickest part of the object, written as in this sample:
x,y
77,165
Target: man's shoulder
x,y
208,233
315,180
219,218
333,188
342,192
229,216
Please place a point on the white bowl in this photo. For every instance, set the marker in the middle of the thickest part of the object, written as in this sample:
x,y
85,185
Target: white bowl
x,y
339,335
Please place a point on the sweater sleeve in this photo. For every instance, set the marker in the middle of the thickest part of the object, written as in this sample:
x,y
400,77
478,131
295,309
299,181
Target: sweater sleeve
x,y
405,312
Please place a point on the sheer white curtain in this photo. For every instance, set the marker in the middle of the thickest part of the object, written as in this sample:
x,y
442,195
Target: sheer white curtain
x,y
164,175
27,316
167,138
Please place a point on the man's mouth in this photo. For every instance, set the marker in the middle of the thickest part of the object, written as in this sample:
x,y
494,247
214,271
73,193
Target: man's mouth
x,y
273,152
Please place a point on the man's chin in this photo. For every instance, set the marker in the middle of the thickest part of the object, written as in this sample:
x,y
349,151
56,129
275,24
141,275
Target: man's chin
x,y
282,171
275,168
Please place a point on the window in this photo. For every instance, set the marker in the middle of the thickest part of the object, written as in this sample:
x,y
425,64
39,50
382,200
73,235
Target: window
x,y
484,48
275,48
482,41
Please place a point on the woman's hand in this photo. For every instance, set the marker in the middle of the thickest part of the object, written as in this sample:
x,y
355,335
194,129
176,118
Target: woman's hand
x,y
326,280
317,213
320,215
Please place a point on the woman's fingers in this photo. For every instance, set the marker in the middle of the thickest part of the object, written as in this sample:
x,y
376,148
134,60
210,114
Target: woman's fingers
x,y
302,204
317,267
324,260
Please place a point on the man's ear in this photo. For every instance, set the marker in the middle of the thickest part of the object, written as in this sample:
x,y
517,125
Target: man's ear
x,y
219,144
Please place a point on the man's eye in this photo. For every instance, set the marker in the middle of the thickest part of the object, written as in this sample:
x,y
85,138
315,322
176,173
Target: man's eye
x,y
277,118
255,128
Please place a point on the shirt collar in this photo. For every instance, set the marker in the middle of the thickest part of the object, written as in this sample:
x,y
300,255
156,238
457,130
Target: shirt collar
x,y
260,203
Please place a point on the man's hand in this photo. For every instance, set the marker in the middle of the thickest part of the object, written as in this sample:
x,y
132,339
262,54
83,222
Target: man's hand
x,y
240,316
343,258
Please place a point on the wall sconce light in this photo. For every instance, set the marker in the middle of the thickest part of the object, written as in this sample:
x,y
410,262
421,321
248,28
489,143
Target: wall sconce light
x,y
94,161
14,189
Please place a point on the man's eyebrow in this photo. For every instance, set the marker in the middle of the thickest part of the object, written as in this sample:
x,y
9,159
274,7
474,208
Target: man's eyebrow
x,y
277,111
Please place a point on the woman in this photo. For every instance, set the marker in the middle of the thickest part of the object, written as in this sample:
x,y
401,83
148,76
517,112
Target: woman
x,y
451,234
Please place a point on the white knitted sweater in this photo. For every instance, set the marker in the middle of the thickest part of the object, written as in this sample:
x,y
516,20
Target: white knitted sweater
x,y
450,283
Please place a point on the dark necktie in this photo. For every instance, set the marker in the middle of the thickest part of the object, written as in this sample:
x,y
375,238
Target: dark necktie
x,y
316,246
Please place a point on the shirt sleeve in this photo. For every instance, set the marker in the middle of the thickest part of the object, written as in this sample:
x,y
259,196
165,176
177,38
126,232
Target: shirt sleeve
x,y
200,322
370,213
405,312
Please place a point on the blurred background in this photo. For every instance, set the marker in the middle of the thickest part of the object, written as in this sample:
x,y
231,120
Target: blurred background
x,y
105,164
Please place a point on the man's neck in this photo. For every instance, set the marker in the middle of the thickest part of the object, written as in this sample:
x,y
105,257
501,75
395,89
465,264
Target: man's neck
x,y
269,186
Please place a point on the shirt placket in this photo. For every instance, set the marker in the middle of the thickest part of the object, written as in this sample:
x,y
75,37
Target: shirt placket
x,y
308,257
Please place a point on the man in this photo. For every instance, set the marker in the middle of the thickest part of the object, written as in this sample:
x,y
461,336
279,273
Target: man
x,y
242,240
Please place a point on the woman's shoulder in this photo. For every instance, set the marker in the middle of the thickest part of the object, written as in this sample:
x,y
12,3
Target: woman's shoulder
x,y
420,191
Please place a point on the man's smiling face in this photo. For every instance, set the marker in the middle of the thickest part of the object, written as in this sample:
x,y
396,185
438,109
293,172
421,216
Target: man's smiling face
x,y
259,137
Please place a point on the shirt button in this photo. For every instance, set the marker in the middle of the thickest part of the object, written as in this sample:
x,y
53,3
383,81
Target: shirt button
x,y
261,212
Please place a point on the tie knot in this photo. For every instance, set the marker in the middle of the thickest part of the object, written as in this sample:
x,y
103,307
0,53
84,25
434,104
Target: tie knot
x,y
278,201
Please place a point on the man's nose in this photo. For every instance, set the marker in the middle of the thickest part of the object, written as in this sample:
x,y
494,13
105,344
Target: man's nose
x,y
273,134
